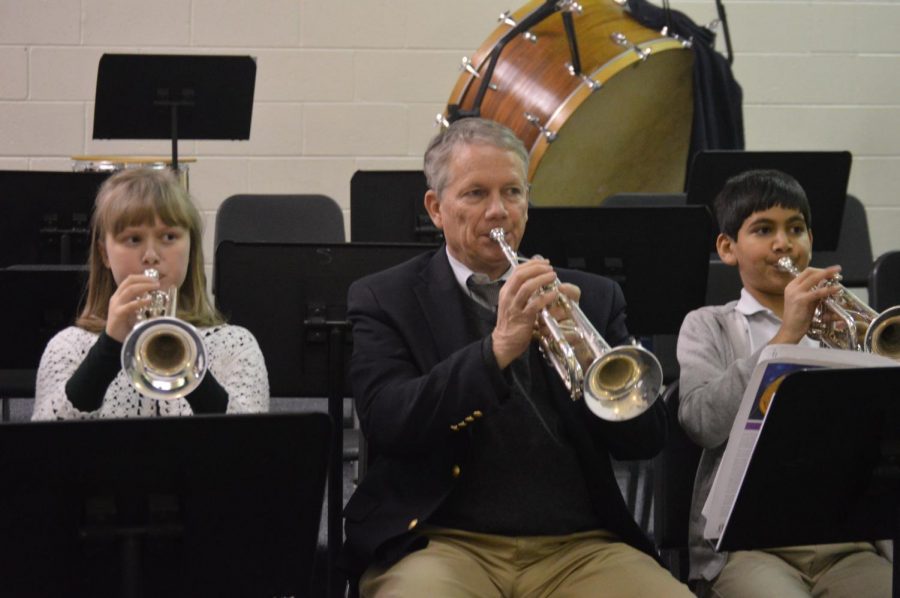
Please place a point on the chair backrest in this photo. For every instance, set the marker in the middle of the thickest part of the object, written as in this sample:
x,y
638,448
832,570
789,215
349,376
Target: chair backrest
x,y
884,281
280,219
854,248
675,469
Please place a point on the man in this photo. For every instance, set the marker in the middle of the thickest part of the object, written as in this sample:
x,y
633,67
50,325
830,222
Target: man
x,y
486,479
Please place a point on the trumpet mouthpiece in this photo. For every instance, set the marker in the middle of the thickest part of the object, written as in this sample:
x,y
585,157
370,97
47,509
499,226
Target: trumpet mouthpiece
x,y
786,264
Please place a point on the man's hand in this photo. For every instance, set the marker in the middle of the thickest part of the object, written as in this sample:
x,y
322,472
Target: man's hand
x,y
522,298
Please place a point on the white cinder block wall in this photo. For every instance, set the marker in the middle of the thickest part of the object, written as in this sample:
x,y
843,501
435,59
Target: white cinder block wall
x,y
354,84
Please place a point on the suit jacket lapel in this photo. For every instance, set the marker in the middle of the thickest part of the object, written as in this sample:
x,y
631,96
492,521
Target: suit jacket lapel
x,y
441,301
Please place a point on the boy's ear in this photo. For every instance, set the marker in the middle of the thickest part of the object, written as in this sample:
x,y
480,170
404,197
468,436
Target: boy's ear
x,y
725,247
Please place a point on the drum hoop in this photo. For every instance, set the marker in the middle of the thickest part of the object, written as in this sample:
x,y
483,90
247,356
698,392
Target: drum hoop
x,y
602,74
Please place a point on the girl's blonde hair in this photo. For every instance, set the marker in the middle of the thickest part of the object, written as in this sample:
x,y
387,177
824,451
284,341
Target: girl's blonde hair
x,y
135,197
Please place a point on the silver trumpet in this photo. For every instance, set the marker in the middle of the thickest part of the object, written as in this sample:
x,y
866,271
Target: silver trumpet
x,y
617,383
843,321
163,356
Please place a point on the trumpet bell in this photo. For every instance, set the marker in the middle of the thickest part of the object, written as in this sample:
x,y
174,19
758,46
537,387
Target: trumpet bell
x,y
623,383
883,334
164,358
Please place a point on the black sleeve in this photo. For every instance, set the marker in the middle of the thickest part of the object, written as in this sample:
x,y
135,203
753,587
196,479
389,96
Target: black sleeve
x,y
208,397
87,386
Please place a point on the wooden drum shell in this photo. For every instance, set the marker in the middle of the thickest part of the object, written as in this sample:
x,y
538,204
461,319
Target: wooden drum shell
x,y
630,135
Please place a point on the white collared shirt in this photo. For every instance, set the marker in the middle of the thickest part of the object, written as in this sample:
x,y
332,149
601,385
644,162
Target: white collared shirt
x,y
762,323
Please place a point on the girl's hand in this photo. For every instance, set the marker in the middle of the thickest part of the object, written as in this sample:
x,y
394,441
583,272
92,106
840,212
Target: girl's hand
x,y
129,298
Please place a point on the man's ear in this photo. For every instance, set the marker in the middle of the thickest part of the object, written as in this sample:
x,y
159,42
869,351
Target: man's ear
x,y
725,247
433,207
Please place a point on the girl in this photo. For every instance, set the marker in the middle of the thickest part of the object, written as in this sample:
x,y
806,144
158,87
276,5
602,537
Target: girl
x,y
144,219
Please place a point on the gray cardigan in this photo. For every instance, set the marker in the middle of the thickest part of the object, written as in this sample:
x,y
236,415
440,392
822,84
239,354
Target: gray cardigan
x,y
716,363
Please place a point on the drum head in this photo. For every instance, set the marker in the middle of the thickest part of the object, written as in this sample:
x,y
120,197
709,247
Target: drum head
x,y
631,135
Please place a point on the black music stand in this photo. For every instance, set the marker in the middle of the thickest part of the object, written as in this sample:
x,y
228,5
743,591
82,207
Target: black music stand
x,y
46,216
826,467
168,96
658,255
399,193
189,506
293,298
41,300
823,175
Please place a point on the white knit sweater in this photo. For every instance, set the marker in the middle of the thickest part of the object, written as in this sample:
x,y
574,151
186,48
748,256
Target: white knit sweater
x,y
233,356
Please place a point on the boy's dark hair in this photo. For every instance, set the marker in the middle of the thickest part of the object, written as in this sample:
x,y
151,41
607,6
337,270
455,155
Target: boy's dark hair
x,y
754,191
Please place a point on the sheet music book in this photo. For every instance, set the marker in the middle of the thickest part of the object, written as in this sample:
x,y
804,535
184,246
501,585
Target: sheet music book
x,y
775,363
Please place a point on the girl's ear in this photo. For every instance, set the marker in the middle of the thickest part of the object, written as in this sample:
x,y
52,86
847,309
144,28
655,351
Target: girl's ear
x,y
102,247
725,248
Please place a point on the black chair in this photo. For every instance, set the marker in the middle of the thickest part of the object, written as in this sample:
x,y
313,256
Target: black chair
x,y
675,468
292,218
280,218
884,281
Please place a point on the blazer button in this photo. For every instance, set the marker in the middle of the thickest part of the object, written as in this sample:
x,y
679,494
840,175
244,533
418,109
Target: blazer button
x,y
454,427
412,524
455,471
462,424
477,413
469,419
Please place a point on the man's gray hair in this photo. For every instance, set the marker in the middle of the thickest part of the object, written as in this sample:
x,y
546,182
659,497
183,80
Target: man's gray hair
x,y
467,131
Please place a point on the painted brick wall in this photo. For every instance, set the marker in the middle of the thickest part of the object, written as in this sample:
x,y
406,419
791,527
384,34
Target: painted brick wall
x,y
345,85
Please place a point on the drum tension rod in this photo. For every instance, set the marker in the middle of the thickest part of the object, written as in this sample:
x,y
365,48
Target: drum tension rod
x,y
467,66
506,19
620,39
536,121
590,83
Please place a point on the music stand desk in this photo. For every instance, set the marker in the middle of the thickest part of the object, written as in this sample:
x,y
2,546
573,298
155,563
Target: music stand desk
x,y
293,298
171,96
824,176
400,193
658,255
219,505
826,467
46,216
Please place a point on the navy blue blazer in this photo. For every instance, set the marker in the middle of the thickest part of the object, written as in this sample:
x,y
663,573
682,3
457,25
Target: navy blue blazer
x,y
422,383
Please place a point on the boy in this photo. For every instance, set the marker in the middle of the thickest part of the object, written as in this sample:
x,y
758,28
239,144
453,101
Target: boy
x,y
763,215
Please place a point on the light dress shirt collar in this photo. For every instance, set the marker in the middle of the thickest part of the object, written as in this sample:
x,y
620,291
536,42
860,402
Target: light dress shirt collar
x,y
462,273
762,323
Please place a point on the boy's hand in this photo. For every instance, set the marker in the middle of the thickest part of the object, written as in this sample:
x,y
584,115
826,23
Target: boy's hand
x,y
801,298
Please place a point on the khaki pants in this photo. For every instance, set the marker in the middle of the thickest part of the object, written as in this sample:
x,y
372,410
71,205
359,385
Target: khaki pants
x,y
464,564
852,570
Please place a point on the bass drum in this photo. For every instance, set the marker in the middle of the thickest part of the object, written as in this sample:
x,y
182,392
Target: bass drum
x,y
621,125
